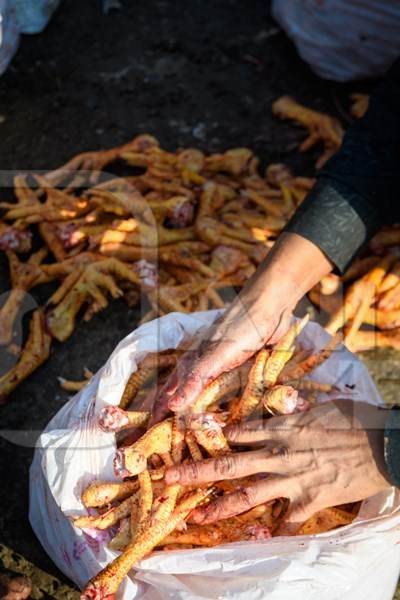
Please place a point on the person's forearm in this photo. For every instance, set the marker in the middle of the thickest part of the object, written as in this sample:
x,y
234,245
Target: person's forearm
x,y
290,270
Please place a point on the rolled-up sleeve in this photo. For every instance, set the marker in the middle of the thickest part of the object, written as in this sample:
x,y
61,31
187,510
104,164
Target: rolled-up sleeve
x,y
359,188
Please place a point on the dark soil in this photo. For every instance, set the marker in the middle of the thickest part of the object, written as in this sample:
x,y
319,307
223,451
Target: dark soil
x,y
200,73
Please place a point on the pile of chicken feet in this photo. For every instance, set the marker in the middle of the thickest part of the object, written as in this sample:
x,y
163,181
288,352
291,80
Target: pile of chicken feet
x,y
151,514
180,230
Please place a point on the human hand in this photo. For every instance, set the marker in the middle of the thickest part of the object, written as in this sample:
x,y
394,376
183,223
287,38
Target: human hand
x,y
330,455
259,315
233,339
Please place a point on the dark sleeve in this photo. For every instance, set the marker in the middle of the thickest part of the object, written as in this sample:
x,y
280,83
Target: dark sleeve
x,y
358,190
392,446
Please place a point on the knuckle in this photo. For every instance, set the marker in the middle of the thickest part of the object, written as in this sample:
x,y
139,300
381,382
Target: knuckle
x,y
225,465
283,452
194,377
191,471
215,510
212,512
278,425
246,497
233,432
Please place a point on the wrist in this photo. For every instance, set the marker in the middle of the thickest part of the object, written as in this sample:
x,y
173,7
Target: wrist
x,y
293,267
267,298
290,270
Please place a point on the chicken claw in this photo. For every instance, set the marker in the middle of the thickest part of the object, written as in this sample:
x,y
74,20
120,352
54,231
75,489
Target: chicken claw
x,y
24,276
226,383
207,431
146,370
100,493
107,582
281,400
114,419
96,278
253,391
305,367
139,521
321,127
133,459
35,352
94,162
282,353
109,518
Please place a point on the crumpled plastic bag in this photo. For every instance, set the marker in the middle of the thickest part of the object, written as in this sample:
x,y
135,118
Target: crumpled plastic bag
x,y
343,40
358,562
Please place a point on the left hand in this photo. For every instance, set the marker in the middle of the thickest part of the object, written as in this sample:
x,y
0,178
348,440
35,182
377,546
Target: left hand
x,y
330,455
260,314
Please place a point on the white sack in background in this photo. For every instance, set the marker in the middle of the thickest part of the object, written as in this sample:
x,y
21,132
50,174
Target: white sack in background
x,y
33,15
357,562
21,16
343,40
9,33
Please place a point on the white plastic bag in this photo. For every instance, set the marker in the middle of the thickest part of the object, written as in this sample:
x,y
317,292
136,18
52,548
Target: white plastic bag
x,y
9,34
33,15
343,39
357,562
21,16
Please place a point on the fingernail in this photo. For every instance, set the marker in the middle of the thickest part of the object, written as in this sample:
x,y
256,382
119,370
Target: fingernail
x,y
172,476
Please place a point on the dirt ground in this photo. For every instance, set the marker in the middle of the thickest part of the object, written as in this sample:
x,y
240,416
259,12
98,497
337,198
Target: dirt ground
x,y
201,73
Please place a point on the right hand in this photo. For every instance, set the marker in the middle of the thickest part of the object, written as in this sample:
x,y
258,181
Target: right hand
x,y
330,455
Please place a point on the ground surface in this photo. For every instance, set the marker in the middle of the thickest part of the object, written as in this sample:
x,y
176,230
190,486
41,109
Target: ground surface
x,y
201,73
